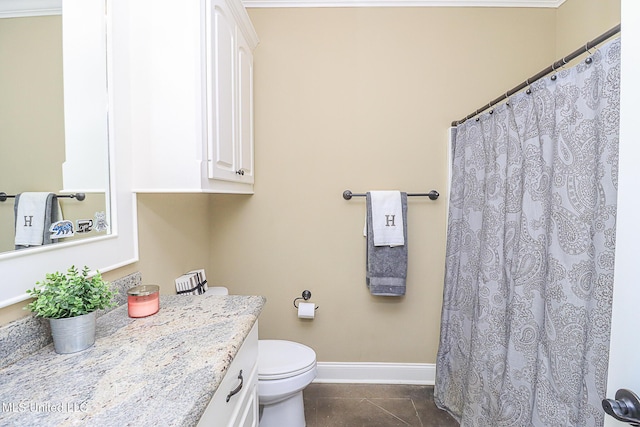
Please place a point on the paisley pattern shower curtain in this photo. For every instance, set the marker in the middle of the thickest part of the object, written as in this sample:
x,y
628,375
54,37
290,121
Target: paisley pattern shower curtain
x,y
530,254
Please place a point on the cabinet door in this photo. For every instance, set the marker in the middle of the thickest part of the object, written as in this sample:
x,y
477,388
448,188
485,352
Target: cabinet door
x,y
245,110
221,107
248,416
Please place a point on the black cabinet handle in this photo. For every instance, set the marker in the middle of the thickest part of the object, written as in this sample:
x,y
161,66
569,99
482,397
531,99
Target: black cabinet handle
x,y
240,172
237,389
625,408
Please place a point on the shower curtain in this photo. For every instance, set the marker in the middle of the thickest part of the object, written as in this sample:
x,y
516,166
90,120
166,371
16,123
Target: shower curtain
x,y
524,337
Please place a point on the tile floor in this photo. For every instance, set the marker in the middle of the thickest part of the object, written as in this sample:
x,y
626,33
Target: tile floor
x,y
378,405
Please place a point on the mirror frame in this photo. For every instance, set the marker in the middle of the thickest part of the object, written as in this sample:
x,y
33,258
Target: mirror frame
x,y
20,271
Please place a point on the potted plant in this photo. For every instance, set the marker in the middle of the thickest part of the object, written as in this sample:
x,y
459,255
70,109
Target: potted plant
x,y
70,302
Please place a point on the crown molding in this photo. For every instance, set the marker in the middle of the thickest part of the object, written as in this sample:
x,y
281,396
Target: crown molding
x,y
22,8
402,3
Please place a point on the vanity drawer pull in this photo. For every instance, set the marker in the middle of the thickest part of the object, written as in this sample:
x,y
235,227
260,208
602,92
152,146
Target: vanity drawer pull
x,y
237,389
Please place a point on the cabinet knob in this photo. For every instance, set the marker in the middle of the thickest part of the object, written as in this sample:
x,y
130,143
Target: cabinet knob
x,y
240,172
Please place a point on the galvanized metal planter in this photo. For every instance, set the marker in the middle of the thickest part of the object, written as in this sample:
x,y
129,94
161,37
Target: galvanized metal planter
x,y
73,334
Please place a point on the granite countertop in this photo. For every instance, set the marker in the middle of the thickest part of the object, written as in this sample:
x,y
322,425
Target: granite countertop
x,y
156,371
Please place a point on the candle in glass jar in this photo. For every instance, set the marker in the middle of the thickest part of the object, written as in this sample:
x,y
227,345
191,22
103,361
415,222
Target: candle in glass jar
x,y
143,301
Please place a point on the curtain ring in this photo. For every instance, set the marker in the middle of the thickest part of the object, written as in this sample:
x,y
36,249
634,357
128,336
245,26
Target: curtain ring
x,y
506,96
528,92
588,60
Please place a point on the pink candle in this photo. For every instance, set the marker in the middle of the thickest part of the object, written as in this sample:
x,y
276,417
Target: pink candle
x,y
143,300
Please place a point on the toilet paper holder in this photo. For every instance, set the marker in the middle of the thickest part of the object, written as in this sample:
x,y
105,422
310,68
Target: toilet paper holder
x,y
305,296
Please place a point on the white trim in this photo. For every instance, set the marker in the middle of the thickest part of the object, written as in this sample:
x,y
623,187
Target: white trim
x,y
22,8
624,370
376,373
403,3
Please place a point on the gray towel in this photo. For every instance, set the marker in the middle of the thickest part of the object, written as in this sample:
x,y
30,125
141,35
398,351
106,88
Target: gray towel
x,y
51,215
386,266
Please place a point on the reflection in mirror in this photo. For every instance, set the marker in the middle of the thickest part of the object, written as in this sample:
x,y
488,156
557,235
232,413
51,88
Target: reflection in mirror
x,y
54,126
97,64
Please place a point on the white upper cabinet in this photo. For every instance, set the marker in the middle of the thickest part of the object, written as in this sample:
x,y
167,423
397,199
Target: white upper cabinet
x,y
192,96
229,97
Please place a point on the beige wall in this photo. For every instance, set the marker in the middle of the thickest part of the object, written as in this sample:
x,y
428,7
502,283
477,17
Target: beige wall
x,y
360,99
174,237
580,21
350,98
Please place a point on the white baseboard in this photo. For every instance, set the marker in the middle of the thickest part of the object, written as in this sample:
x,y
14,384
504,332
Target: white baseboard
x,y
376,373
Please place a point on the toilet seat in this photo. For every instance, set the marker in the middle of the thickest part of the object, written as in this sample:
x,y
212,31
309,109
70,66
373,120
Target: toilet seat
x,y
279,359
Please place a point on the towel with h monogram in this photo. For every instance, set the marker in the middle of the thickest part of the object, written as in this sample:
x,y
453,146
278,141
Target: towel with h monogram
x,y
386,243
34,214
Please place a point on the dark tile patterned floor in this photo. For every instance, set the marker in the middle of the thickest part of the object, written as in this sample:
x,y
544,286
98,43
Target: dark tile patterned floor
x,y
373,405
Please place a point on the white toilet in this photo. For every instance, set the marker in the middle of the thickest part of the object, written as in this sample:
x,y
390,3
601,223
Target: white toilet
x,y
285,368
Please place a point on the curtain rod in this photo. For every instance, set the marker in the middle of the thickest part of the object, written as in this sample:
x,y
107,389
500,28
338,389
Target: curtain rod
x,y
551,68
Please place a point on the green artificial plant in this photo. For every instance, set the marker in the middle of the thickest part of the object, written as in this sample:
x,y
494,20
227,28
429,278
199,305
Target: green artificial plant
x,y
70,295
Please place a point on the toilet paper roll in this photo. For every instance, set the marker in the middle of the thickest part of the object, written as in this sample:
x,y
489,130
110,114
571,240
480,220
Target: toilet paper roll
x,y
306,310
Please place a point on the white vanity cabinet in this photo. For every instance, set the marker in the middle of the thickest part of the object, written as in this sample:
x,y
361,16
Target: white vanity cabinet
x,y
232,405
191,85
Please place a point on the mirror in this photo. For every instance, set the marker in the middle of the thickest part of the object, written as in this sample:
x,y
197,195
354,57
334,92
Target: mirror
x,y
54,123
96,158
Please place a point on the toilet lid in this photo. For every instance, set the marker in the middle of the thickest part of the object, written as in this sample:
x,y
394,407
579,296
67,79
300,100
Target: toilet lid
x,y
279,359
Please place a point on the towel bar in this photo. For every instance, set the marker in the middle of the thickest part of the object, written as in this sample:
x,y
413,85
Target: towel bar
x,y
78,196
433,194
